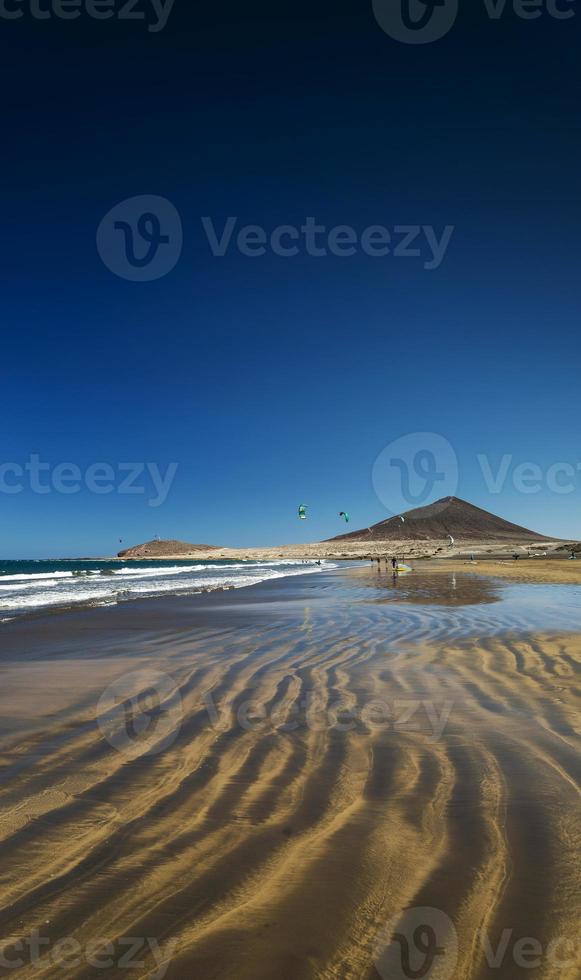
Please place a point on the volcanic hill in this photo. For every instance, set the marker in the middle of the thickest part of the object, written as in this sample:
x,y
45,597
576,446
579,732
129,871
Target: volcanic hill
x,y
164,549
436,521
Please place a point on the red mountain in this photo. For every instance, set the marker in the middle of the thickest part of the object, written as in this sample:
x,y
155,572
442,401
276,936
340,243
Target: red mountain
x,y
436,521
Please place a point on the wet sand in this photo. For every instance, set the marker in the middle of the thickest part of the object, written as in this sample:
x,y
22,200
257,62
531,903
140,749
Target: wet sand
x,y
278,774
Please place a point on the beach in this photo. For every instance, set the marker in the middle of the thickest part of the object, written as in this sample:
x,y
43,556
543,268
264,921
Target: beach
x,y
362,549
289,779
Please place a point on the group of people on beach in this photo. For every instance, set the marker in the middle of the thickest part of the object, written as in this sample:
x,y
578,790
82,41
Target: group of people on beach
x,y
394,562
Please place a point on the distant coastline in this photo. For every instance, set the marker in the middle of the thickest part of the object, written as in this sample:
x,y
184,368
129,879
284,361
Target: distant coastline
x,y
449,527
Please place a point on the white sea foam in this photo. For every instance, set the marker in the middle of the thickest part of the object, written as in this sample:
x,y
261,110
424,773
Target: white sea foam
x,y
108,585
156,571
42,599
36,575
14,587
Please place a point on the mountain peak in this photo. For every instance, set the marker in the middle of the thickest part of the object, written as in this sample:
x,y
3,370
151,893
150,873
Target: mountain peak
x,y
436,521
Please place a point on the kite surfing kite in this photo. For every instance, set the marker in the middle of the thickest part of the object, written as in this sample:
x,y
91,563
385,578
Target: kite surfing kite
x,y
302,512
451,540
345,516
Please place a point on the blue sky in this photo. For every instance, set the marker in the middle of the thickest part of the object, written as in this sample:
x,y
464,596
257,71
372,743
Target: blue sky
x,y
275,381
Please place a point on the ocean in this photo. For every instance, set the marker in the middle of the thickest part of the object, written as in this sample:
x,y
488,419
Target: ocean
x,y
28,586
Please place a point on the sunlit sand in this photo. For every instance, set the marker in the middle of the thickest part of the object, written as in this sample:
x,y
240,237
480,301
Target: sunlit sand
x,y
336,749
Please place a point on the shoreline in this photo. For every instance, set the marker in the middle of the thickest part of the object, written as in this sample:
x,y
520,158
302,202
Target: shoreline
x,y
193,594
542,571
360,550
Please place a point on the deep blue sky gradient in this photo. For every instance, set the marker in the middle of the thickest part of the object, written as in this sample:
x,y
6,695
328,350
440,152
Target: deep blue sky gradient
x,y
271,381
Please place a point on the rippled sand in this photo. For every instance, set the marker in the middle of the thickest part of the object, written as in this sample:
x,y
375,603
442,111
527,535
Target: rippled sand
x,y
310,760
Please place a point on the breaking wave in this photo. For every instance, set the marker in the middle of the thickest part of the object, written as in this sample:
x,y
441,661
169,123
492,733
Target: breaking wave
x,y
106,583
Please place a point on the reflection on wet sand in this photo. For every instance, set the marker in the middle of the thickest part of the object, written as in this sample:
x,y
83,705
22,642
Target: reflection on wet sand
x,y
327,763
448,588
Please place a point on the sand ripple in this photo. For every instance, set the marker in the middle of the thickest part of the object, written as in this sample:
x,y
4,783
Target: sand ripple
x,y
285,824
